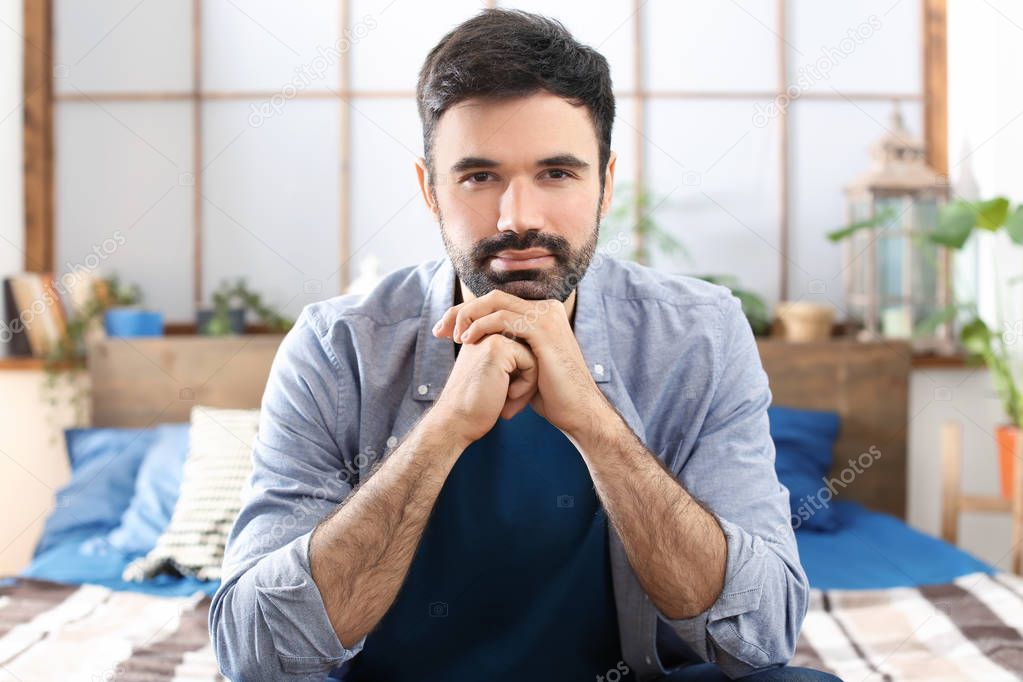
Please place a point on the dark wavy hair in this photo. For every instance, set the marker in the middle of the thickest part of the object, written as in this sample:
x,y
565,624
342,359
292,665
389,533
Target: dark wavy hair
x,y
503,54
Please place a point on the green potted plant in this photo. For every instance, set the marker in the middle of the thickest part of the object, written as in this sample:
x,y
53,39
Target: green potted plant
x,y
67,358
753,306
957,221
231,301
633,215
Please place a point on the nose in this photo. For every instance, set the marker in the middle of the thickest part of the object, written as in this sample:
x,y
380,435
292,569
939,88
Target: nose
x,y
521,208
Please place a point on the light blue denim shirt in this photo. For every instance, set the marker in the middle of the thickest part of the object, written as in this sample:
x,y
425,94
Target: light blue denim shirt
x,y
674,355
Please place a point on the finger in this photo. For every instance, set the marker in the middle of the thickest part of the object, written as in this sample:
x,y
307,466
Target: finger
x,y
478,307
444,325
513,407
503,322
523,385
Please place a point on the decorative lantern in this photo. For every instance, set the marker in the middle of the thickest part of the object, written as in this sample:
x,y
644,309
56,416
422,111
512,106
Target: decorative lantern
x,y
895,277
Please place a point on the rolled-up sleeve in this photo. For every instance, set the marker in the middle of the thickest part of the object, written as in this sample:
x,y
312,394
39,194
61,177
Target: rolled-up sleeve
x,y
267,620
755,621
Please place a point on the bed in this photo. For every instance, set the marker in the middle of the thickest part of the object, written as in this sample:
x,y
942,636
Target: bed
x,y
889,603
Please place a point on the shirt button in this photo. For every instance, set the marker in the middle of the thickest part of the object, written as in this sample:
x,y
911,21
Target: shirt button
x,y
599,369
423,389
392,441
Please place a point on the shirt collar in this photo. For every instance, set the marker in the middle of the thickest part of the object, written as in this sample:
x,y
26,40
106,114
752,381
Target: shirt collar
x,y
435,357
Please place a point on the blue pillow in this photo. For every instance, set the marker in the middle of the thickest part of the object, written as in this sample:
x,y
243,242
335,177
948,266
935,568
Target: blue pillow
x,y
104,462
804,442
156,491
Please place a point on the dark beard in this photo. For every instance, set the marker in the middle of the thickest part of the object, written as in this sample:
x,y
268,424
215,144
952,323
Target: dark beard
x,y
555,282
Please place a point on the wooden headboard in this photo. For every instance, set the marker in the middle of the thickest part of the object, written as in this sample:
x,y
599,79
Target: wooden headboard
x,y
867,384
140,382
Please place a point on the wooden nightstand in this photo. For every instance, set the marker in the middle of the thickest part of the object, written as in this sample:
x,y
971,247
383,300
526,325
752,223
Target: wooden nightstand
x,y
955,502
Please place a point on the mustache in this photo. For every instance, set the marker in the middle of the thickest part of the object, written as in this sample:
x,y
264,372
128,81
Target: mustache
x,y
558,246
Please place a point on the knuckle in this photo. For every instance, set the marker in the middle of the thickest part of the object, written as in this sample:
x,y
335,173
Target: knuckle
x,y
492,342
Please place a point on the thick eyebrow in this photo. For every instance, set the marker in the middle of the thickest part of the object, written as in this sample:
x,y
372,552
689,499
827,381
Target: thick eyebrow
x,y
561,160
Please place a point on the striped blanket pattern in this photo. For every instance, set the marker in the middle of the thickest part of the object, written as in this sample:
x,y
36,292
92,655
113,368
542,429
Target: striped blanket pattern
x,y
971,629
51,631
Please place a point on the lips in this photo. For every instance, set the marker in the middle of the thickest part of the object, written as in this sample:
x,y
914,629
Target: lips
x,y
519,254
522,259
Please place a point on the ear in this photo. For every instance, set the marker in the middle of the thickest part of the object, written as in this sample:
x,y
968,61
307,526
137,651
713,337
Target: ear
x,y
423,176
609,184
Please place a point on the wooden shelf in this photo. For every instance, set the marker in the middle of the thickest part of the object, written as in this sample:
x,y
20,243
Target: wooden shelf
x,y
20,363
170,330
23,363
930,360
920,360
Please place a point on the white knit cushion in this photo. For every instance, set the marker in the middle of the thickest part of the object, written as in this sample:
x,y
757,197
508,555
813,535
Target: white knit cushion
x,y
217,468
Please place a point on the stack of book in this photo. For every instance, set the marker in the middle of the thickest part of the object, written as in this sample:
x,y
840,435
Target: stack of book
x,y
34,320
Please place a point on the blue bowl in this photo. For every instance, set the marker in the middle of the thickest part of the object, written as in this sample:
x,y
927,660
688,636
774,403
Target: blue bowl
x,y
129,322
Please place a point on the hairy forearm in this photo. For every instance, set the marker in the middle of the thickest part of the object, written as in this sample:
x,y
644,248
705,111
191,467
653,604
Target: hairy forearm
x,y
675,546
359,555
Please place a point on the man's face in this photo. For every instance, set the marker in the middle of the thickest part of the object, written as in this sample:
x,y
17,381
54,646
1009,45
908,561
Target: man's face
x,y
516,192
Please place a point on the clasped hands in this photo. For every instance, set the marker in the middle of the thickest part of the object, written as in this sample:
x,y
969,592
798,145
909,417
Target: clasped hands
x,y
560,389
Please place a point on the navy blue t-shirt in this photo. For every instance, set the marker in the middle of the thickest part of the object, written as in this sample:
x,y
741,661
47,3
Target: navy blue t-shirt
x,y
512,578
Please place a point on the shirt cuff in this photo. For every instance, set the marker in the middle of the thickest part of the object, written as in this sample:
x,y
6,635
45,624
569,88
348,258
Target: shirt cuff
x,y
294,612
741,594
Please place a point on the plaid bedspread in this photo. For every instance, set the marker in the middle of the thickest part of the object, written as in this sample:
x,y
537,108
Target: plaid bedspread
x,y
971,629
51,631
966,630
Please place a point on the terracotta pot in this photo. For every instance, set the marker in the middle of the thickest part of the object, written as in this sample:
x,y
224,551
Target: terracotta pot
x,y
1007,436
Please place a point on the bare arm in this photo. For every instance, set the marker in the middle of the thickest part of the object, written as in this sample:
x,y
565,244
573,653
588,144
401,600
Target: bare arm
x,y
359,555
680,565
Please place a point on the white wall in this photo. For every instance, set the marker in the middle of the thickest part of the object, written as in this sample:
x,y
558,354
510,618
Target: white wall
x,y
964,396
986,123
34,464
985,44
12,204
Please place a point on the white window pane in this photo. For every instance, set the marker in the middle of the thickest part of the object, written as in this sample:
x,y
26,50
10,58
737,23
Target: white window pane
x,y
268,45
868,46
718,175
270,208
389,219
124,197
122,45
623,141
12,204
711,46
390,40
607,28
823,162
